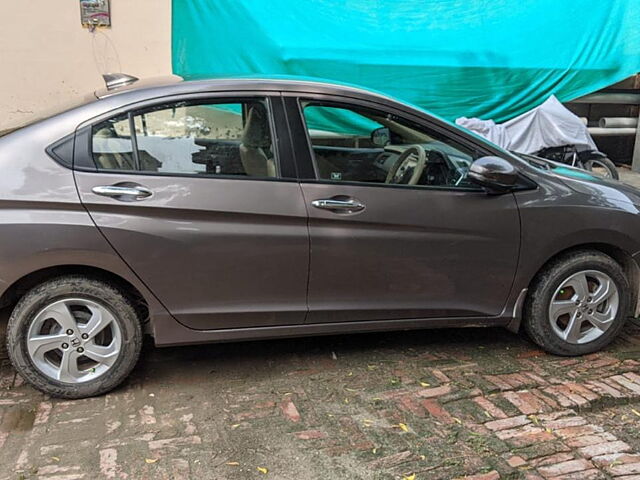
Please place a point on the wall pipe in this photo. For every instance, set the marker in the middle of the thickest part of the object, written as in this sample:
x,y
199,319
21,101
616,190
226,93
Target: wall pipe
x,y
618,122
611,132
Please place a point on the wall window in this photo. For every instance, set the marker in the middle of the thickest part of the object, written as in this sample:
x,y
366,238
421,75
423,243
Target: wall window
x,y
362,145
189,138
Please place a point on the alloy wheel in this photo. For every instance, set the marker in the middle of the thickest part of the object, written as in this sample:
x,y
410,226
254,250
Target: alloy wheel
x,y
584,306
74,340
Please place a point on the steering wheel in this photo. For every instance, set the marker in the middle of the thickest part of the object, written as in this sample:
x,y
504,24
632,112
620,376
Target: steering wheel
x,y
405,162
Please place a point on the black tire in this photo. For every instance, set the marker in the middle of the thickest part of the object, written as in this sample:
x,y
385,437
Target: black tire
x,y
74,286
601,162
543,287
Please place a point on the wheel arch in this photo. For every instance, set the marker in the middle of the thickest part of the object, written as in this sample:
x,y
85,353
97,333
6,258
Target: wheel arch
x,y
622,257
20,286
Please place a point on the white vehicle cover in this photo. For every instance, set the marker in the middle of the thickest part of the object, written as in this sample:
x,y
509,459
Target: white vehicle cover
x,y
548,125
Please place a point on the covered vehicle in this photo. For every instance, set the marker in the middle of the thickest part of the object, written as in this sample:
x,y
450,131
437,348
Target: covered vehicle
x,y
549,131
550,124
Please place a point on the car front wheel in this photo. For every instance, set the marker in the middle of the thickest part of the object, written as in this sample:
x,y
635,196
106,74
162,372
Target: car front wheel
x,y
74,337
577,304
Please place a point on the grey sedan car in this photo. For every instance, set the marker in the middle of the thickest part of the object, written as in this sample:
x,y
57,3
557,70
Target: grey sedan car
x,y
236,209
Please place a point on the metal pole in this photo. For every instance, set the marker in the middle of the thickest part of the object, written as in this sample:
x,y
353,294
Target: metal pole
x,y
635,160
610,97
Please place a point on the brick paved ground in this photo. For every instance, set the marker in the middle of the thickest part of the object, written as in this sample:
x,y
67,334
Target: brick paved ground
x,y
478,404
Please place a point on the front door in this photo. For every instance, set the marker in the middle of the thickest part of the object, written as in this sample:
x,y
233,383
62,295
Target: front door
x,y
396,229
194,196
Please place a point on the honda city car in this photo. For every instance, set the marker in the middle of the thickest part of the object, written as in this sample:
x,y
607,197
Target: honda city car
x,y
240,209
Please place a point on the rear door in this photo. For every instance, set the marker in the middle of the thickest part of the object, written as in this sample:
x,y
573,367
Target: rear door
x,y
385,245
199,197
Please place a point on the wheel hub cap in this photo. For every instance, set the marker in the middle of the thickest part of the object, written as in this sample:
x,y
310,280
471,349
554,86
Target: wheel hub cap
x,y
584,306
74,340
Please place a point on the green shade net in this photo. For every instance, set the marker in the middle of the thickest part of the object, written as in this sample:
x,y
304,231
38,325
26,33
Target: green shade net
x,y
475,58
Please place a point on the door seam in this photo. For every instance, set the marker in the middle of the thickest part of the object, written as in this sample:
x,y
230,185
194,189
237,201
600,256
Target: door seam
x,y
306,208
304,201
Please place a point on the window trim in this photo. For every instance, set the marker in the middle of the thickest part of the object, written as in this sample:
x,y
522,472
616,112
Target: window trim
x,y
134,142
283,169
351,104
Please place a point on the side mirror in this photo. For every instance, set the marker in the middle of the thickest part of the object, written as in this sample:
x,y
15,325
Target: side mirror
x,y
493,173
380,137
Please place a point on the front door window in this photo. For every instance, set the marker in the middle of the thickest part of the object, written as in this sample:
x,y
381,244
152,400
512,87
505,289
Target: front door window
x,y
369,146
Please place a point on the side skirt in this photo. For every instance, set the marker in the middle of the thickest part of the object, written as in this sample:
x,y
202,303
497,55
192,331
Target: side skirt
x,y
168,332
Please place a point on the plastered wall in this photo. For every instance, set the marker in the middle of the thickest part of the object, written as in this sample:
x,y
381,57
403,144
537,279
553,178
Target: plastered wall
x,y
48,59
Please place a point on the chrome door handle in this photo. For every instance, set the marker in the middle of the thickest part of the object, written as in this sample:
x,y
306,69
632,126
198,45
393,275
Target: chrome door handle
x,y
349,205
120,192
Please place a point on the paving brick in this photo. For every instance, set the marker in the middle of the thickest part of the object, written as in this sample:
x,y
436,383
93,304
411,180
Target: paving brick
x,y
391,460
570,393
562,468
516,461
582,391
174,442
357,439
108,462
498,382
439,374
310,435
397,393
436,411
634,377
615,458
507,423
565,422
552,459
547,417
289,410
571,432
518,431
605,449
433,392
411,404
628,384
526,402
251,415
536,378
591,474
43,413
517,380
559,396
625,469
588,440
604,389
489,407
492,475
552,403
531,438
602,362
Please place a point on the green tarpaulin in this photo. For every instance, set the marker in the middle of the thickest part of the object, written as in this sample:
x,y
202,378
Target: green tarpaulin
x,y
475,58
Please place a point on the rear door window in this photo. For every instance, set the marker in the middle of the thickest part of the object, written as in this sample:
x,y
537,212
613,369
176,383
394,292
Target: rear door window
x,y
231,138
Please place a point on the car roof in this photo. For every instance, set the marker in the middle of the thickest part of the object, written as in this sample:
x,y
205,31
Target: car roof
x,y
173,84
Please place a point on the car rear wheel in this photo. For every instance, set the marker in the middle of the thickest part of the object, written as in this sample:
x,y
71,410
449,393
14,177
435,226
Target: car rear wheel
x,y
74,337
577,304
